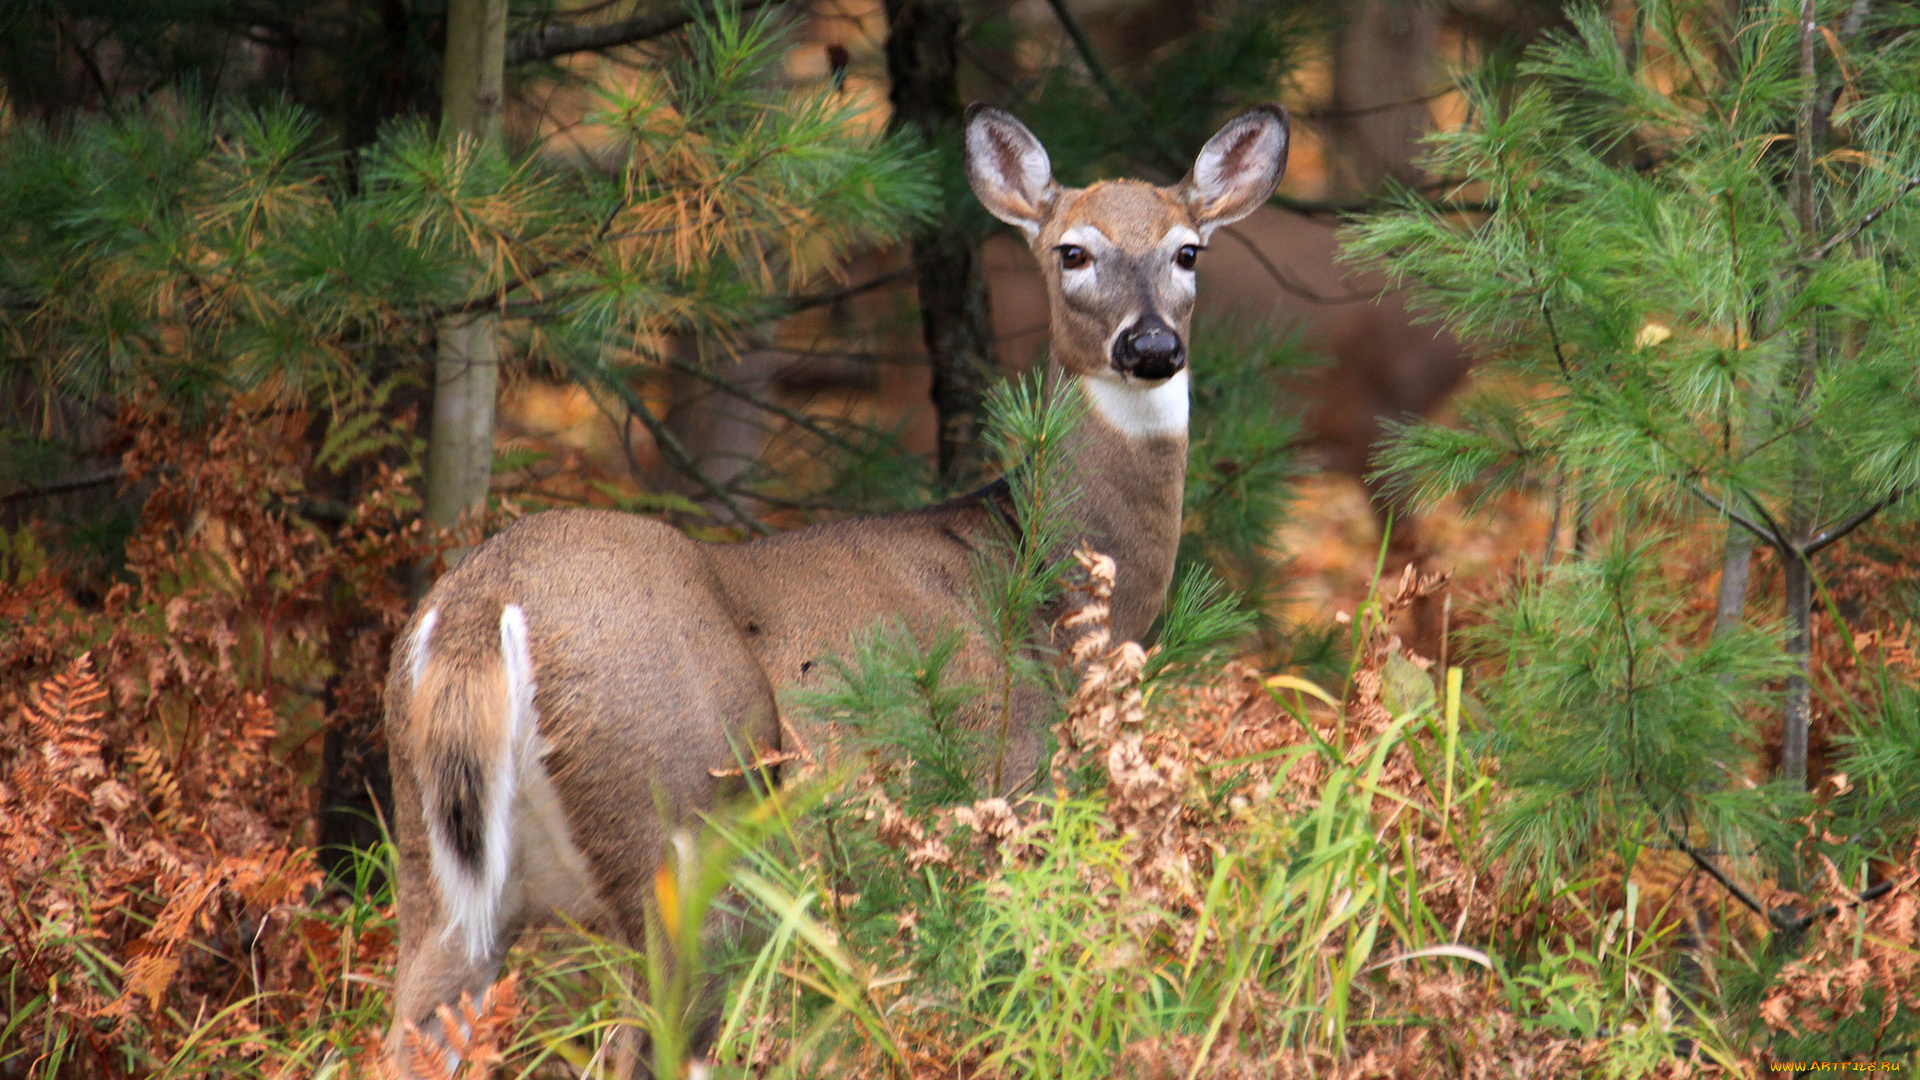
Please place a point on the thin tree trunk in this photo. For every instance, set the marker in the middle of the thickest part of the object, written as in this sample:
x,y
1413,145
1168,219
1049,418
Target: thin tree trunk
x,y
467,368
1799,704
466,378
1736,567
922,55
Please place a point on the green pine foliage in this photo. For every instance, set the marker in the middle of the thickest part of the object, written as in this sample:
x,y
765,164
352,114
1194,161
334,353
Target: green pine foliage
x,y
1243,460
1614,723
1692,281
1646,279
192,251
1151,116
900,697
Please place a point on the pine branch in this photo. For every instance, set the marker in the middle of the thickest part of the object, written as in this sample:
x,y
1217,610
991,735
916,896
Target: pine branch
x,y
1770,536
1828,536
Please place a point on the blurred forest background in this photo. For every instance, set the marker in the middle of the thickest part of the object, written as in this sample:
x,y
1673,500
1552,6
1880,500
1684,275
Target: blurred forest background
x,y
1537,698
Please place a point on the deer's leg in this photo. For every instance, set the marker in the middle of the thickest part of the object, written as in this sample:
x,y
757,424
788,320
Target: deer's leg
x,y
680,742
434,971
630,1049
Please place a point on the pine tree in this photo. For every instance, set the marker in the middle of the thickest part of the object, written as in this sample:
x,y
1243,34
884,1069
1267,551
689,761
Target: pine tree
x,y
1695,279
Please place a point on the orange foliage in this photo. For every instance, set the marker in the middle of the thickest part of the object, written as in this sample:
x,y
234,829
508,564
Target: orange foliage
x,y
157,755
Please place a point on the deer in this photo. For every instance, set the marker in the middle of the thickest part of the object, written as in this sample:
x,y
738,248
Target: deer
x,y
571,697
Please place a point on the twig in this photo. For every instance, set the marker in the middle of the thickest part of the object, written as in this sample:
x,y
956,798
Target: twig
x,y
1553,328
677,455
833,296
1858,227
1280,278
1369,110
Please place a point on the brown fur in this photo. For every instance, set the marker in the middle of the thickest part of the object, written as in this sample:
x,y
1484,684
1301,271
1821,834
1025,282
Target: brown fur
x,y
659,661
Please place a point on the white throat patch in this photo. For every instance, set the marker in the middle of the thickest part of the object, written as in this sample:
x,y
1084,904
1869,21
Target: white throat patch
x,y
1140,410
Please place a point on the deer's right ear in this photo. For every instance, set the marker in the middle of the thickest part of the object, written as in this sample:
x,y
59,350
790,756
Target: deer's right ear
x,y
1008,169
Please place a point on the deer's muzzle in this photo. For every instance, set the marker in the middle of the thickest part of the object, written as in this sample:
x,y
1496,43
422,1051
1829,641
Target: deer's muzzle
x,y
1149,349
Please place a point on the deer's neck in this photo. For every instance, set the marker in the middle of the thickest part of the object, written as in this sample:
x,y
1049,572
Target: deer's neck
x,y
1129,463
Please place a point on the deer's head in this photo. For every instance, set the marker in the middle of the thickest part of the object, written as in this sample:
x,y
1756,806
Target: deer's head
x,y
1119,255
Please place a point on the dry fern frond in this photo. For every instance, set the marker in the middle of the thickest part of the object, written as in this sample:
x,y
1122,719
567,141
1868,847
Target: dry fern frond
x,y
64,712
475,1035
161,785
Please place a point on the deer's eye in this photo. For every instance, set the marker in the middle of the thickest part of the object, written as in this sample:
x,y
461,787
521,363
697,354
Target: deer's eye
x,y
1187,256
1074,257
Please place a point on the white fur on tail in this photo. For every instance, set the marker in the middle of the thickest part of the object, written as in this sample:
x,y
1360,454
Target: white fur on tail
x,y
417,645
473,901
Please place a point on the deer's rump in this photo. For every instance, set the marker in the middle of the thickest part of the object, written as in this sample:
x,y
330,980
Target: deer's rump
x,y
581,665
585,670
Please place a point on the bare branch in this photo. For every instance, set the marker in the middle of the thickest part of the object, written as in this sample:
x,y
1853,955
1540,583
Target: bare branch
x,y
1417,100
1084,46
792,416
549,41
848,292
675,453
1700,860
1288,284
1801,922
32,490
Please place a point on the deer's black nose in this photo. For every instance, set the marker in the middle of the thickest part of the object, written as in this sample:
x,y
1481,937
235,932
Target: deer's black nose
x,y
1149,349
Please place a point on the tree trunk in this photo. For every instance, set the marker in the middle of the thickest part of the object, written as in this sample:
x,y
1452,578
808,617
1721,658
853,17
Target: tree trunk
x,y
922,55
355,786
1383,66
466,375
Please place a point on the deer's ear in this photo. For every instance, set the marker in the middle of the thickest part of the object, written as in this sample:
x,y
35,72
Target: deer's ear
x,y
1008,169
1239,168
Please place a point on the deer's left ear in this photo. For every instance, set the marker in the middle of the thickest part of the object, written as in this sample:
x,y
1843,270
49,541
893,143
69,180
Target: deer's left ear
x,y
1239,168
